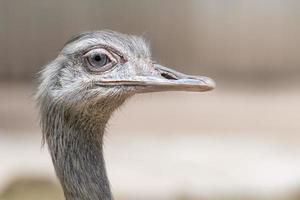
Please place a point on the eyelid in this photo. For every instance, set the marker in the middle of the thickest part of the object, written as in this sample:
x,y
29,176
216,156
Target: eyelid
x,y
89,52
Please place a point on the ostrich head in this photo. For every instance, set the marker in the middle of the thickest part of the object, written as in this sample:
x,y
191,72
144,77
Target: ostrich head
x,y
106,65
93,75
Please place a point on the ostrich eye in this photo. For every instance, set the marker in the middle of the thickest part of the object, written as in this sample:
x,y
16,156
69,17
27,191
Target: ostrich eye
x,y
100,60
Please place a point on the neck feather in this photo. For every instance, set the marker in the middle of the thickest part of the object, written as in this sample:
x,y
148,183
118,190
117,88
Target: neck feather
x,y
75,141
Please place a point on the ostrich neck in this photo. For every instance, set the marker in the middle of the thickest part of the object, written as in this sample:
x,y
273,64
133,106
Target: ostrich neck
x,y
75,142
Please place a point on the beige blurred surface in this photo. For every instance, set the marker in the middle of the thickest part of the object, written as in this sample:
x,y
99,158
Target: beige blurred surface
x,y
163,146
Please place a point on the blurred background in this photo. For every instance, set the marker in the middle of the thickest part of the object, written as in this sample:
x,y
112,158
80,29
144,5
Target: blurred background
x,y
240,141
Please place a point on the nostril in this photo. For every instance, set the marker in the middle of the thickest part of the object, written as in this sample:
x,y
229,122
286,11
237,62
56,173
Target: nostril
x,y
168,76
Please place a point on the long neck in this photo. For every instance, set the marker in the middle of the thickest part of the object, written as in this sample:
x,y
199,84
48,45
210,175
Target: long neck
x,y
79,164
74,139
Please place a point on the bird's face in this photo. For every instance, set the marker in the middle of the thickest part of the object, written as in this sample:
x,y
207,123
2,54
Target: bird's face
x,y
107,64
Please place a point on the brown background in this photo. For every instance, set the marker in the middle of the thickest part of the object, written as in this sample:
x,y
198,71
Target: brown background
x,y
236,40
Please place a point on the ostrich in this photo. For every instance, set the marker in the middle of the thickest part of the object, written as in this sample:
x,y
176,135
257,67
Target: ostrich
x,y
92,76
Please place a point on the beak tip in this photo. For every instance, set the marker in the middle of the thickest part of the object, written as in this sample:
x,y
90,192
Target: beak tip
x,y
212,84
209,83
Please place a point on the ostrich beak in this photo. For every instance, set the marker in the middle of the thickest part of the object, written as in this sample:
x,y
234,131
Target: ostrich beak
x,y
170,80
163,79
